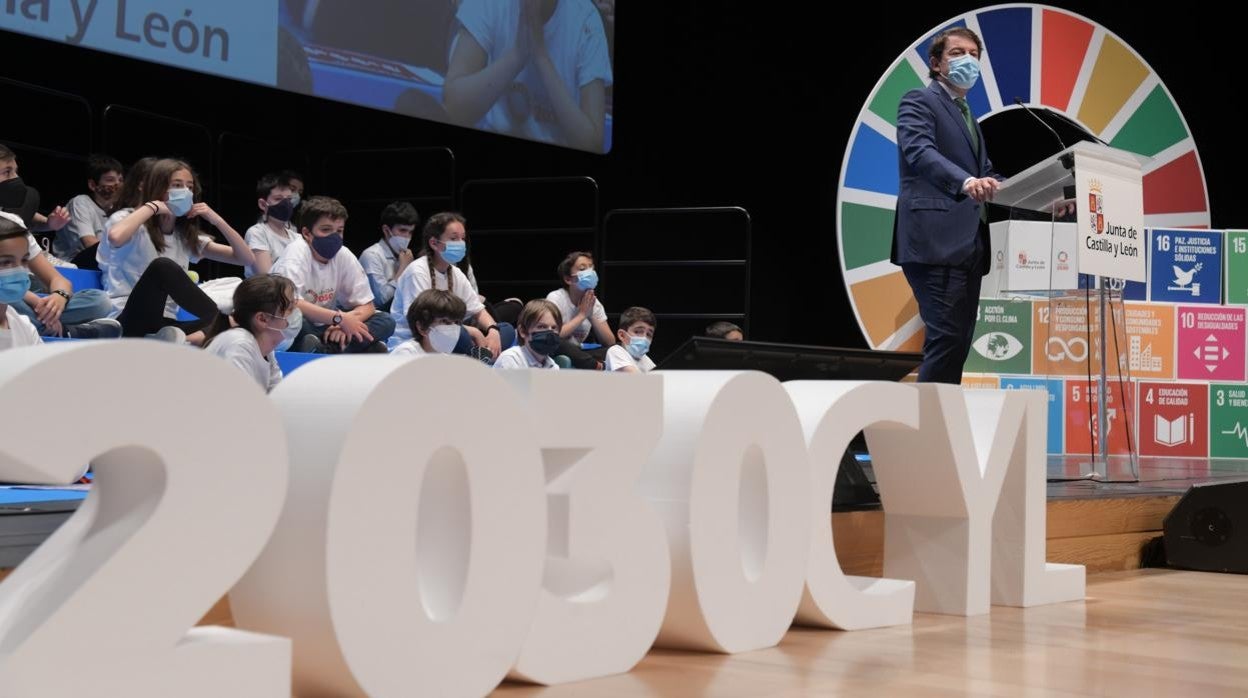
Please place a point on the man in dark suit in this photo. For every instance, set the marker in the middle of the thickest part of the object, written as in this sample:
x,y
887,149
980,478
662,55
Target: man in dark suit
x,y
940,235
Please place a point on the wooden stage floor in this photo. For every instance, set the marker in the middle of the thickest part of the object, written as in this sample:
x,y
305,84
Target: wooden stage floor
x,y
1139,633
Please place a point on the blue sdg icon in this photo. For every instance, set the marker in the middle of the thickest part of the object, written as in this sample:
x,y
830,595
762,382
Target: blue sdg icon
x,y
1186,266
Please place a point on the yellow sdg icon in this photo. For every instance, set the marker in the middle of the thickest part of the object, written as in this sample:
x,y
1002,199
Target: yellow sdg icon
x,y
1046,57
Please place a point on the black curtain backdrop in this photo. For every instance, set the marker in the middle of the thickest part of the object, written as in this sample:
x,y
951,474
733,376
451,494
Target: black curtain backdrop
x,y
743,104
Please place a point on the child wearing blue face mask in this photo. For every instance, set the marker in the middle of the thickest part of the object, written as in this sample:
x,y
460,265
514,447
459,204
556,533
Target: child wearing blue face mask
x,y
385,260
263,306
148,246
15,329
582,312
442,247
635,334
539,338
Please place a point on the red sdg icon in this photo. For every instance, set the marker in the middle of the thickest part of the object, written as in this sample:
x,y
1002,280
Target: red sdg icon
x,y
1174,419
1082,413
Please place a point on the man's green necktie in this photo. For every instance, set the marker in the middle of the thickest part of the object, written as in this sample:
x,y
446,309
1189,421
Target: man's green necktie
x,y
970,125
970,122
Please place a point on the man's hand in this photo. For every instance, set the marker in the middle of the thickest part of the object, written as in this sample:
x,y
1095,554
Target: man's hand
x,y
1062,208
982,189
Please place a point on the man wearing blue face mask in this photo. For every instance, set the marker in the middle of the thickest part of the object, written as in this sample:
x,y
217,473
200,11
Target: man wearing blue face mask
x,y
940,234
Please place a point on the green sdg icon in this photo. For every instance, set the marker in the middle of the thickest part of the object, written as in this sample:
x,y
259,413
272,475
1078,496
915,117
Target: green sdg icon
x,y
1002,341
1228,420
1237,267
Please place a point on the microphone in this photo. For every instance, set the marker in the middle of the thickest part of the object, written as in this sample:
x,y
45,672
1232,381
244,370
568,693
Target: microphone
x,y
1082,130
1019,102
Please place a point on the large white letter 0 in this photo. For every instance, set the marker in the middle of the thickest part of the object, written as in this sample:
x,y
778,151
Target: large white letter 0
x,y
409,556
607,566
730,478
832,413
103,607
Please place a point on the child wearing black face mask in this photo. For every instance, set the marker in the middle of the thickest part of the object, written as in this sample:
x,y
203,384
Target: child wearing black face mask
x,y
89,212
331,286
539,338
269,237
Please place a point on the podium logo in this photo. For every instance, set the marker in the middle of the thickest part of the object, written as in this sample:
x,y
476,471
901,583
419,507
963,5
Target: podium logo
x,y
1183,280
1025,262
1063,261
1096,206
1174,432
998,346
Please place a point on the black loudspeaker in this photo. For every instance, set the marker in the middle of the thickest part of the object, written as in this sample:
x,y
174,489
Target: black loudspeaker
x,y
1208,529
853,488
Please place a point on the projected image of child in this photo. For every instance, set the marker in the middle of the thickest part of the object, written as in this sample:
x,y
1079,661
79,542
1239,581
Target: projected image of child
x,y
536,69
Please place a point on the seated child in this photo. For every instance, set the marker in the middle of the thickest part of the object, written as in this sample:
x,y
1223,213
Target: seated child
x,y
332,288
434,318
725,330
538,330
636,332
15,329
385,260
247,338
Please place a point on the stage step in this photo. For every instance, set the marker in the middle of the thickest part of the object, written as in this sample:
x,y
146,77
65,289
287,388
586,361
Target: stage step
x,y
1103,534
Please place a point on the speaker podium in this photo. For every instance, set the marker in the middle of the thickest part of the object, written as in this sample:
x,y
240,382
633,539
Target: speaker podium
x,y
1035,253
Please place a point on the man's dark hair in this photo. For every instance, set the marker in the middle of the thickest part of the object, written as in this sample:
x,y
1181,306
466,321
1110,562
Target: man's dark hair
x,y
937,49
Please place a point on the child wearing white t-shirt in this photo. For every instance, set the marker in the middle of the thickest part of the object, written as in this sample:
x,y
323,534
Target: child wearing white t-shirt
x,y
389,257
273,233
636,332
148,247
442,247
333,292
582,312
263,306
434,319
539,338
15,329
87,212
